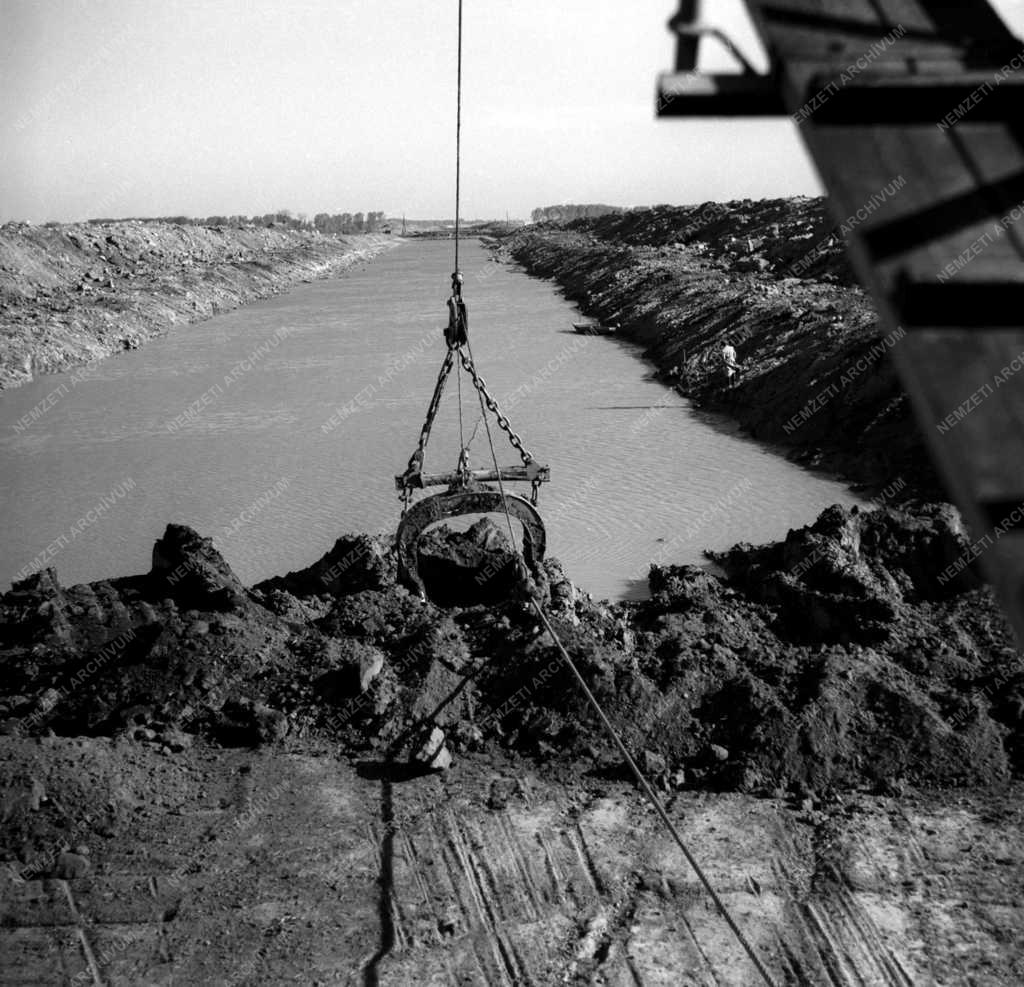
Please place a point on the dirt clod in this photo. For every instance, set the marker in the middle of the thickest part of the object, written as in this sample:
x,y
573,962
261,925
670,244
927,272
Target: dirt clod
x,y
832,660
71,866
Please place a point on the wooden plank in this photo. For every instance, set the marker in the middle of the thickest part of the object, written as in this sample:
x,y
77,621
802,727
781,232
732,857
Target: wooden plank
x,y
957,182
787,22
792,31
940,212
995,155
973,385
943,215
984,268
982,447
969,32
912,225
687,94
888,95
906,12
511,474
992,306
973,19
931,160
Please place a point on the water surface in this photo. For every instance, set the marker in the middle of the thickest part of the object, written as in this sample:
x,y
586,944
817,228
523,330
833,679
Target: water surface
x,y
278,426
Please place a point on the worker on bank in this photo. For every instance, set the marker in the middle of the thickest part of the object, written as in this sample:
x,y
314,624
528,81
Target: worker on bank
x,y
732,368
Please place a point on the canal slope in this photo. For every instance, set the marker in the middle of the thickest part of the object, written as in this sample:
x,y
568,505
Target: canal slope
x,y
771,277
74,293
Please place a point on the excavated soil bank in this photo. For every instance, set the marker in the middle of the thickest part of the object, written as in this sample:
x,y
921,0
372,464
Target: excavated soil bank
x,y
771,277
71,294
834,660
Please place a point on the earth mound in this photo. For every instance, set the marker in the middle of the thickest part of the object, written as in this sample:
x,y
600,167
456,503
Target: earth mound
x,y
73,293
835,659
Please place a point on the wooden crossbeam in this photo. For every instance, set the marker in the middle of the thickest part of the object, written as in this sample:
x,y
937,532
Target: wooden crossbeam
x,y
512,474
906,94
688,94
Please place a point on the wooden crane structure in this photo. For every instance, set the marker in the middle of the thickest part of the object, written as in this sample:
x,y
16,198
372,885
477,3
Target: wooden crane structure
x,y
930,93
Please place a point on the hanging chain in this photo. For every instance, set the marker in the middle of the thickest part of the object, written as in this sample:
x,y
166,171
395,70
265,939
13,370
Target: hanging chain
x,y
462,430
457,336
416,459
481,385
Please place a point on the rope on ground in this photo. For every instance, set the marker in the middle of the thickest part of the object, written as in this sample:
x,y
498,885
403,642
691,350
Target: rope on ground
x,y
645,785
652,797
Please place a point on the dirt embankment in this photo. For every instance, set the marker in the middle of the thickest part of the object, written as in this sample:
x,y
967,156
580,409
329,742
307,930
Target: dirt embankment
x,y
833,672
772,278
839,659
75,293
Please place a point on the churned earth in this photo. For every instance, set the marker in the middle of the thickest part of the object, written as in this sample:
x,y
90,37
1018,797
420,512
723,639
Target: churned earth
x,y
324,779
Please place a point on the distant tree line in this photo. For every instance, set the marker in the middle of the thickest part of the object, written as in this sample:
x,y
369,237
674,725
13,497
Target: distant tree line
x,y
345,222
565,213
349,222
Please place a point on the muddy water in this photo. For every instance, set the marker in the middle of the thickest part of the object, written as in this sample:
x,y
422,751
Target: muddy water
x,y
278,426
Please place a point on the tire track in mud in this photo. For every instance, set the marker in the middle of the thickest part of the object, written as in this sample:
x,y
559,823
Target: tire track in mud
x,y
537,911
570,887
509,909
488,901
833,939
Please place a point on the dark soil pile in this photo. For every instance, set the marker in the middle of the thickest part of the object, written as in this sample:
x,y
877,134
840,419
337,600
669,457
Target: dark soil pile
x,y
73,293
478,568
834,659
772,278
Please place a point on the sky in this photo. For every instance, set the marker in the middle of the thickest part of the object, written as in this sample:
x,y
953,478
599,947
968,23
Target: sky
x,y
116,108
